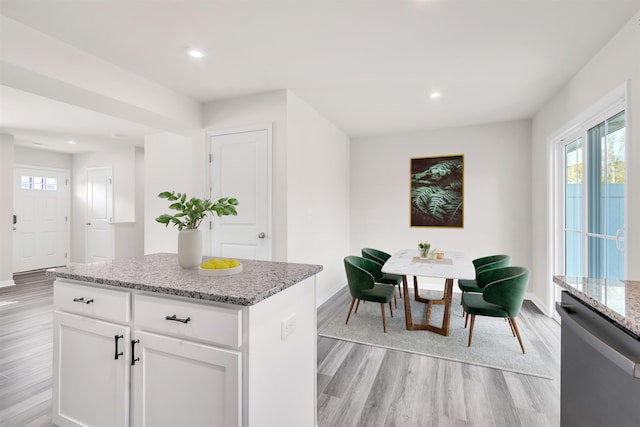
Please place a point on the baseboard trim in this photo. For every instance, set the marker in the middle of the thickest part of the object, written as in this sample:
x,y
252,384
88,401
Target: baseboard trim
x,y
538,303
7,283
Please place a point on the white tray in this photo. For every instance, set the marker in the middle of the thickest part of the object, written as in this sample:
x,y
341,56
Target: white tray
x,y
220,272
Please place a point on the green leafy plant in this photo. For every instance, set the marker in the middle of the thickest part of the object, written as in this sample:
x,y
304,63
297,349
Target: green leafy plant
x,y
424,245
192,211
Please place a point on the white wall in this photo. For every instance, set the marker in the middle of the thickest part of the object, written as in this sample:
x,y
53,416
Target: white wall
x,y
317,194
42,158
129,236
497,200
6,209
123,161
245,111
168,166
616,63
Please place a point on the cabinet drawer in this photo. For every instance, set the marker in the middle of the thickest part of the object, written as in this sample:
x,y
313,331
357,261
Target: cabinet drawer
x,y
92,301
189,319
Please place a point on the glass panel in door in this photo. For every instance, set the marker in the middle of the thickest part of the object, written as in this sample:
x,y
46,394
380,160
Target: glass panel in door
x,y
605,198
573,202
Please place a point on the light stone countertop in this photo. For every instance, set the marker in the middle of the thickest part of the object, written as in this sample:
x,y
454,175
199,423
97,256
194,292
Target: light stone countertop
x,y
161,273
619,300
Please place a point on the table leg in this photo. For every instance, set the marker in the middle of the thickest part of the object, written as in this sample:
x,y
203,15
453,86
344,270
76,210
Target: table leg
x,y
446,300
407,304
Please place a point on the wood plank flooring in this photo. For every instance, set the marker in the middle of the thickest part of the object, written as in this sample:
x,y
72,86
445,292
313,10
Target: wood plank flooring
x,y
358,385
26,345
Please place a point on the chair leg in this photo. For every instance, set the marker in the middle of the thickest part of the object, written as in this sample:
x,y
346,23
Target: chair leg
x,y
395,300
390,309
357,305
466,320
400,291
511,326
512,320
473,320
350,308
384,321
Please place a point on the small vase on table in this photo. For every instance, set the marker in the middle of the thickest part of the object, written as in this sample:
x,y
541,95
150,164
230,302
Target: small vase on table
x,y
424,247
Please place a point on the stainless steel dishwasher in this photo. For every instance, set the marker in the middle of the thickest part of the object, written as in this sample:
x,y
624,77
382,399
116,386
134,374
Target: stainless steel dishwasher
x,y
600,369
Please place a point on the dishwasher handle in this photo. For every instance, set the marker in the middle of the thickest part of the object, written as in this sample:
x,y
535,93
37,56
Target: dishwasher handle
x,y
628,365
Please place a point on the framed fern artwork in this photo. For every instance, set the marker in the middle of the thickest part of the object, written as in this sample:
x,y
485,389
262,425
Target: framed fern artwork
x,y
437,191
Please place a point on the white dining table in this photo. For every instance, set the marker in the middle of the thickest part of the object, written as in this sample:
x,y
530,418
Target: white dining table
x,y
407,262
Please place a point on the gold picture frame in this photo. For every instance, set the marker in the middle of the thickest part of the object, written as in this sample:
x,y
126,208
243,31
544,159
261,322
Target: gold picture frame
x,y
437,191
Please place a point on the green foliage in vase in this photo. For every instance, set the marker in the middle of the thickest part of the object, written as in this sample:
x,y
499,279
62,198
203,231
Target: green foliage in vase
x,y
192,211
437,192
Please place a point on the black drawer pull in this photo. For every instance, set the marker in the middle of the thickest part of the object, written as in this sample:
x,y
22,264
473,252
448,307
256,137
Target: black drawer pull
x,y
175,319
82,300
116,338
134,359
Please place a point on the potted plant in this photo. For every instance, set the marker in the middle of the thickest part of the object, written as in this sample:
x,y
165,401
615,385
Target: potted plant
x,y
190,213
423,247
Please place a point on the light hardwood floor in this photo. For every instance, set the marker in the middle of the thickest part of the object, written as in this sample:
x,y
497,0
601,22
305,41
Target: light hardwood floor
x,y
358,385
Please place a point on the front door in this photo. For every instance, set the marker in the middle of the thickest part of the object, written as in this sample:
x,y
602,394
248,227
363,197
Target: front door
x,y
41,236
241,168
99,214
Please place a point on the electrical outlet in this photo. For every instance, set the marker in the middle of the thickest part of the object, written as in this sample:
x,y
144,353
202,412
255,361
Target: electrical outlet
x,y
288,326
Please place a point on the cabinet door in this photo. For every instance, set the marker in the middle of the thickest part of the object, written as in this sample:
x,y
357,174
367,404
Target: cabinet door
x,y
182,383
91,381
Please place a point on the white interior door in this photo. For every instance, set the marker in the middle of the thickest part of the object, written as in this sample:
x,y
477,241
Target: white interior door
x,y
99,214
241,168
41,233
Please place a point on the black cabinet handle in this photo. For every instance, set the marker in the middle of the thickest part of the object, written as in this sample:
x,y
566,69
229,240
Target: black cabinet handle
x,y
175,319
83,301
116,338
134,359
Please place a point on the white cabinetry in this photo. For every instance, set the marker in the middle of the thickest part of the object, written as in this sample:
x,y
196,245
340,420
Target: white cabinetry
x,y
181,383
178,381
175,380
92,382
181,361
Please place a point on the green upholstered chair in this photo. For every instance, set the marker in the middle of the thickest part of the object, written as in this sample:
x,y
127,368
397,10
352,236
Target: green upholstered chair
x,y
382,257
481,264
361,273
502,294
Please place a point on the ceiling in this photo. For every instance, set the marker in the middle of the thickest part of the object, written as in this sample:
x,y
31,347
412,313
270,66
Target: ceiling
x,y
367,66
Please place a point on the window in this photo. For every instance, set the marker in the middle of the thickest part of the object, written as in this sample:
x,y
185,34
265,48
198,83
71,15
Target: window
x,y
38,183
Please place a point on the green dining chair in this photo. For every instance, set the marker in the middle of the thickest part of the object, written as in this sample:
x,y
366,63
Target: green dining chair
x,y
381,257
482,264
361,273
502,294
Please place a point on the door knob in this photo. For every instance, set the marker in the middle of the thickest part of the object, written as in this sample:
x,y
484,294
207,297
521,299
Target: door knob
x,y
261,235
88,223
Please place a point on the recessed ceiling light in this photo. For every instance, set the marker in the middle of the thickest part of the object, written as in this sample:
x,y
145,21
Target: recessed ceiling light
x,y
434,95
71,142
195,53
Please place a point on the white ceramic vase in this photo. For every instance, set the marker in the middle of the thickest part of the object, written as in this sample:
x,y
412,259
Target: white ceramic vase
x,y
189,248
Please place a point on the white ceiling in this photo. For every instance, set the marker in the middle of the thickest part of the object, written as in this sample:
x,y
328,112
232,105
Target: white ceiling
x,y
368,66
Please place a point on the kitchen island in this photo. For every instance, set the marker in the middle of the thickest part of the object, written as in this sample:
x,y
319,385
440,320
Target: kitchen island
x,y
617,300
142,342
600,345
